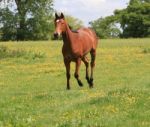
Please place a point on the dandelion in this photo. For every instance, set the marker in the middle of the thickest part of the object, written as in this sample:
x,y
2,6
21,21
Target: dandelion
x,y
13,98
111,108
97,94
146,123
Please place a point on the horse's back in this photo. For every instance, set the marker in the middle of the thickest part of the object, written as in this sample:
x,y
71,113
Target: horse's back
x,y
89,35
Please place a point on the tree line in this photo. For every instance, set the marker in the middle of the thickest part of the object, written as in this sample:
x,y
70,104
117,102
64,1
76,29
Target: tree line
x,y
29,20
33,20
131,22
25,19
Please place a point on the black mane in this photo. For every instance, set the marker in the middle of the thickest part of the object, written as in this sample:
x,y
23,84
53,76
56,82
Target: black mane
x,y
74,31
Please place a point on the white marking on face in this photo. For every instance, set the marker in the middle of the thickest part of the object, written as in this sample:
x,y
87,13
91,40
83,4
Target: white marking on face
x,y
59,34
57,20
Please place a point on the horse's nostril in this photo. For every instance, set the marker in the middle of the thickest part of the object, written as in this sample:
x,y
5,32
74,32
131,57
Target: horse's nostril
x,y
55,35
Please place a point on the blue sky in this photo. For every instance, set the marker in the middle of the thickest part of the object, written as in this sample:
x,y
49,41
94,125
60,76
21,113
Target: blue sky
x,y
88,10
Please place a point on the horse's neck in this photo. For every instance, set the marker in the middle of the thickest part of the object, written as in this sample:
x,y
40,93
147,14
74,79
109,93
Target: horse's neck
x,y
68,37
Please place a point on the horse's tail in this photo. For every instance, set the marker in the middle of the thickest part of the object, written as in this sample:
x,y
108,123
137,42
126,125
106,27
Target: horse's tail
x,y
94,34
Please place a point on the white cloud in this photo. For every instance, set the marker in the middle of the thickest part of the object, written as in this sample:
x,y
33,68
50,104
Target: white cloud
x,y
88,10
67,5
2,4
79,3
92,3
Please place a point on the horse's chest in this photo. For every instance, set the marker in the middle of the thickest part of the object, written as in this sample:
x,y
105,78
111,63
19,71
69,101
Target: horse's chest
x,y
71,55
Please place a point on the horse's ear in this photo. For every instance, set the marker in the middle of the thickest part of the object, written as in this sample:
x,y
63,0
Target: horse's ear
x,y
56,16
62,15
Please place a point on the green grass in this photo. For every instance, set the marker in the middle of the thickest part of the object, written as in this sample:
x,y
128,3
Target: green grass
x,y
33,86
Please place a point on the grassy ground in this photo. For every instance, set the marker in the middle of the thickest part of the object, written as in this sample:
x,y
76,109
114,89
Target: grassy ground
x,y
33,86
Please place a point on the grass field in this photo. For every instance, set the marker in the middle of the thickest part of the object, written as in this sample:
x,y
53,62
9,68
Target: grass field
x,y
33,86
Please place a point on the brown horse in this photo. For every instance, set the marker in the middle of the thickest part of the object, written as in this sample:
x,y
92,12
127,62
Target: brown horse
x,y
75,48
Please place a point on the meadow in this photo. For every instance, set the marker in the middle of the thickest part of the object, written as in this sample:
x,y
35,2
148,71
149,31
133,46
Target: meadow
x,y
33,86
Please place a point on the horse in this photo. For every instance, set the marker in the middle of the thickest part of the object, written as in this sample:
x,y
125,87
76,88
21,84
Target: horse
x,y
76,46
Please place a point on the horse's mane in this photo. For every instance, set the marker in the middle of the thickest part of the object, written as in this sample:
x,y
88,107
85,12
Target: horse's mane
x,y
74,31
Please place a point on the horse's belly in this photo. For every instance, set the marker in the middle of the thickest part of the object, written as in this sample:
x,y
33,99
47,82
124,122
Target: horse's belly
x,y
87,46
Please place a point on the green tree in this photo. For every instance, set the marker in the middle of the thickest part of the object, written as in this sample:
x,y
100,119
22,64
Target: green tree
x,y
106,27
33,18
134,21
75,23
8,21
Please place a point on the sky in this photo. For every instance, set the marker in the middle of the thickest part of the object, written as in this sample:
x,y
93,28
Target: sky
x,y
89,10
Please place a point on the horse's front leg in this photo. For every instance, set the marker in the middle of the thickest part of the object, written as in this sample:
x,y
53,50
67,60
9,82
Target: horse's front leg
x,y
76,74
67,65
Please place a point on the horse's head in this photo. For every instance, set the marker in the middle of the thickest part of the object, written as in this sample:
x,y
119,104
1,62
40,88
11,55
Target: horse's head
x,y
60,25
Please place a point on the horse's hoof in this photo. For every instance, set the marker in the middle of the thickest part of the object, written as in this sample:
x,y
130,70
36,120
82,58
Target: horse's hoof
x,y
68,88
91,85
80,83
88,80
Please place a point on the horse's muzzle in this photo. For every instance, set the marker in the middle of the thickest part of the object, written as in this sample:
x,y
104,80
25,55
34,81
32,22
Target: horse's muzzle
x,y
55,35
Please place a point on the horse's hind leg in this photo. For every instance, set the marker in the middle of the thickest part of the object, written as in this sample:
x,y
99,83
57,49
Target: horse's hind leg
x,y
93,56
76,74
86,62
